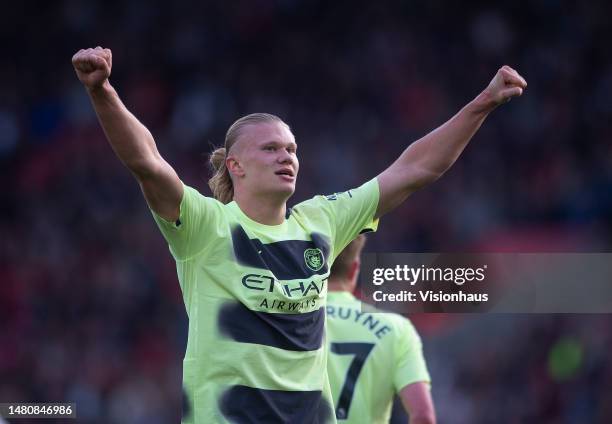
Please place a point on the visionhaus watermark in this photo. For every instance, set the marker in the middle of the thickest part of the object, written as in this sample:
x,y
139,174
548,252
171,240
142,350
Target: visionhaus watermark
x,y
415,275
509,283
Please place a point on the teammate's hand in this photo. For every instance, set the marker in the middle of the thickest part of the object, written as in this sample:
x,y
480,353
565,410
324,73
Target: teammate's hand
x,y
93,66
505,85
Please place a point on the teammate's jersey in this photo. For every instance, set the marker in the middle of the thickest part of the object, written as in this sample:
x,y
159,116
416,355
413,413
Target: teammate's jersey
x,y
255,298
372,357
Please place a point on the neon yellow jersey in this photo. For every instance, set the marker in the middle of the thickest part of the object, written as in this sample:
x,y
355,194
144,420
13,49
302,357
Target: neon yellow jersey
x,y
372,357
255,298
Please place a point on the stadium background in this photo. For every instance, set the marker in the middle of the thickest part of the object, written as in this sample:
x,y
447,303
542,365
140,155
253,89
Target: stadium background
x,y
90,309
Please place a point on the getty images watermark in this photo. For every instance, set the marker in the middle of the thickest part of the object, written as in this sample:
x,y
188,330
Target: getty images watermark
x,y
415,275
493,282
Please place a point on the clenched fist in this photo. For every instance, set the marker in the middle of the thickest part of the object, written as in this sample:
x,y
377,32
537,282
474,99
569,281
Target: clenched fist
x,y
93,66
505,85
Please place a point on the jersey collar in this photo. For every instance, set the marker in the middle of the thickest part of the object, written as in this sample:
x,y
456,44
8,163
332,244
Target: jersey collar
x,y
340,295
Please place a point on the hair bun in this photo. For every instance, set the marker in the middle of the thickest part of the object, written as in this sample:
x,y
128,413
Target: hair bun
x,y
217,159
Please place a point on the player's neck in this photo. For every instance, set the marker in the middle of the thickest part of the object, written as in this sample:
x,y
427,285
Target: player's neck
x,y
269,211
339,286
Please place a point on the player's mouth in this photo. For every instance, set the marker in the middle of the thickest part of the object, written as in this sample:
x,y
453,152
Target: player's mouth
x,y
286,174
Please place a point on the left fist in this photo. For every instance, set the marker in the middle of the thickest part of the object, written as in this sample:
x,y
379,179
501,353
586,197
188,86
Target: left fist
x,y
505,85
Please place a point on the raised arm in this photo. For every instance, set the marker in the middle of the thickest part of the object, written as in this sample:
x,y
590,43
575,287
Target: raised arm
x,y
131,141
425,160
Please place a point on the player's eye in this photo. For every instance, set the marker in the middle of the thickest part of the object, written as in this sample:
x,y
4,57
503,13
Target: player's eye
x,y
269,148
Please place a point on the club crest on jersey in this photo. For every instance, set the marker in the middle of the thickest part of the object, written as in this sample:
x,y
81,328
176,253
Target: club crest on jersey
x,y
314,259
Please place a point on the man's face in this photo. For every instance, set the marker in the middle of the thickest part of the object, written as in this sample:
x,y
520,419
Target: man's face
x,y
266,158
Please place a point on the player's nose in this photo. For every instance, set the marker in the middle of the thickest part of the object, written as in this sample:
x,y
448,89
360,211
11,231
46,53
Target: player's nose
x,y
285,157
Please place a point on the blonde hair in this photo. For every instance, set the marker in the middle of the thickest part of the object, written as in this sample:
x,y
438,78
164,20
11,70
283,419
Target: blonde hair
x,y
342,264
221,182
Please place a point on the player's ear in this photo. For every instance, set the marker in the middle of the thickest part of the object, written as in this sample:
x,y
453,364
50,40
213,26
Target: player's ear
x,y
354,270
234,166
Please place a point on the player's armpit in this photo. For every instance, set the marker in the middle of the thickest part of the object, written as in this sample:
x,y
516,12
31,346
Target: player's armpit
x,y
416,398
397,182
162,189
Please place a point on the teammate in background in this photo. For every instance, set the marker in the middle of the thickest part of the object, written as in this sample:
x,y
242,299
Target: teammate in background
x,y
253,273
372,357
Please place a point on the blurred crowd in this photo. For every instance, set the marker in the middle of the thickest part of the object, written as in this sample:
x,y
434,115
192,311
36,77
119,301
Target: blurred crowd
x,y
523,369
90,307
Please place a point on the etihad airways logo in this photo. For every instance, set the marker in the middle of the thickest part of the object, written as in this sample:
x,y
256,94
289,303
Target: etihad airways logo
x,y
266,283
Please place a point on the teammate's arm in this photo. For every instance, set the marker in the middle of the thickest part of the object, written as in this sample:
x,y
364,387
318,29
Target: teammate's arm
x,y
417,401
131,141
425,160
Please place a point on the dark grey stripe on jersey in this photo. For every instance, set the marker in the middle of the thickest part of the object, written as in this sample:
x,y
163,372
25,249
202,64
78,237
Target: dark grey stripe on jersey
x,y
242,405
285,259
298,332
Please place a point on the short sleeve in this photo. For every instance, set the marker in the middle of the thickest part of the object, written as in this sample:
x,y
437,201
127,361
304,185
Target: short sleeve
x,y
352,212
199,216
410,366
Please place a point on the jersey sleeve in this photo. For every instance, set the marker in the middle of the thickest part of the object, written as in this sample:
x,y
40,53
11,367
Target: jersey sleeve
x,y
199,216
410,366
351,213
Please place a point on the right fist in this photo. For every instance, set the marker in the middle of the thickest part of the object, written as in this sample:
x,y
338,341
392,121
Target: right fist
x,y
93,66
